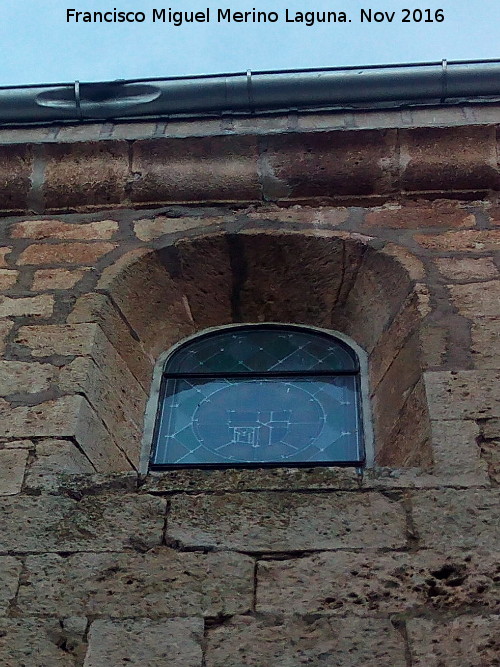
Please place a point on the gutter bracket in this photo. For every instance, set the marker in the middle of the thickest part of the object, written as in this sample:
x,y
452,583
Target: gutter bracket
x,y
251,105
444,80
78,101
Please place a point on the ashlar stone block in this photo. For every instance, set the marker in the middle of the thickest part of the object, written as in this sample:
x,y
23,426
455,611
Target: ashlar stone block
x,y
485,333
175,642
66,417
52,279
463,394
19,377
286,521
50,523
12,467
33,642
57,229
10,569
65,253
292,641
466,518
364,584
477,299
40,306
467,640
5,327
161,582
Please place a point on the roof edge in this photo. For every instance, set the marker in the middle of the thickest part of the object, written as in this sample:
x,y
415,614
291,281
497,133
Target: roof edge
x,y
368,87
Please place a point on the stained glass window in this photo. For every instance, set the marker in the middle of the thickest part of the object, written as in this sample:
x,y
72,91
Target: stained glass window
x,y
260,395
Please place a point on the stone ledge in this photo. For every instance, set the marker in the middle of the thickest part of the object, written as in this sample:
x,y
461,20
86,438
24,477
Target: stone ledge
x,y
336,165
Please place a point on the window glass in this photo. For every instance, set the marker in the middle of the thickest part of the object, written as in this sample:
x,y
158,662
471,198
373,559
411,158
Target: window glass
x,y
261,395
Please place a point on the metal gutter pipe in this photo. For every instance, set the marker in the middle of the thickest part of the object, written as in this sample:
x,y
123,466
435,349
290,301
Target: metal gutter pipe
x,y
268,91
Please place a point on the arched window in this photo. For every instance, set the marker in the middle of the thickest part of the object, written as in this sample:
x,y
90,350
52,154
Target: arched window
x,y
260,395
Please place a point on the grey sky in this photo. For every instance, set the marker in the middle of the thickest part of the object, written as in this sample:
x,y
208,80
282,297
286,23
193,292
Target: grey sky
x,y
38,45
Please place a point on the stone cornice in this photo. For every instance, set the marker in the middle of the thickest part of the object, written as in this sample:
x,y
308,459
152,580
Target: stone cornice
x,y
45,170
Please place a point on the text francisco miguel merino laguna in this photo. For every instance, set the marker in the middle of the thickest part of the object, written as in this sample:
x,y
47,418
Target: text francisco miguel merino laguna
x,y
221,15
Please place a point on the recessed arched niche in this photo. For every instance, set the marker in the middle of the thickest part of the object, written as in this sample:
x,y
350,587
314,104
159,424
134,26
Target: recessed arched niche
x,y
153,299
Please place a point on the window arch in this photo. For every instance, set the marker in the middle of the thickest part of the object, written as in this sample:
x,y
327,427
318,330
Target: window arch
x,y
257,395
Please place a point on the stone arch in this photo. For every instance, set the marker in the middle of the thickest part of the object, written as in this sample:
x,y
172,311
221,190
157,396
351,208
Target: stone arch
x,y
151,299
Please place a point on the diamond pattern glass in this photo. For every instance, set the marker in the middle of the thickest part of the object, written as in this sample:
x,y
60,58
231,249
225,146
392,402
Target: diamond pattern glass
x,y
260,396
264,350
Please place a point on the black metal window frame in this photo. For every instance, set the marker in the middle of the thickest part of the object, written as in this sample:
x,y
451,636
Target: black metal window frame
x,y
166,376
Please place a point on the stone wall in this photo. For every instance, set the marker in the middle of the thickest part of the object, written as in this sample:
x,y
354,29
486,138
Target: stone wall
x,y
101,564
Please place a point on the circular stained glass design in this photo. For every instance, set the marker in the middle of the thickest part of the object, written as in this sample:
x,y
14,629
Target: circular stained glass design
x,y
296,402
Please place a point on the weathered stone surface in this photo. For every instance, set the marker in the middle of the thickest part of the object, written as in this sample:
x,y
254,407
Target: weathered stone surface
x,y
462,241
463,394
8,278
288,642
161,582
393,340
286,521
199,169
477,299
456,451
150,301
433,344
466,519
408,443
57,229
98,308
39,524
425,158
12,466
485,333
262,479
5,327
70,417
439,214
49,279
19,444
152,228
16,164
327,164
35,642
65,253
467,269
10,569
306,278
20,377
126,261
206,278
373,296
319,216
394,389
62,339
490,428
53,458
41,306
175,642
466,640
364,584
112,390
4,251
490,450
407,259
85,173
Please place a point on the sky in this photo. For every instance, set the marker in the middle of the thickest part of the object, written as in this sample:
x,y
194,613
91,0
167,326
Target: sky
x,y
39,45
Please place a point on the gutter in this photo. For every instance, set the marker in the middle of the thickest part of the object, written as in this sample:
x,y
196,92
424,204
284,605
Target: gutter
x,y
376,86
